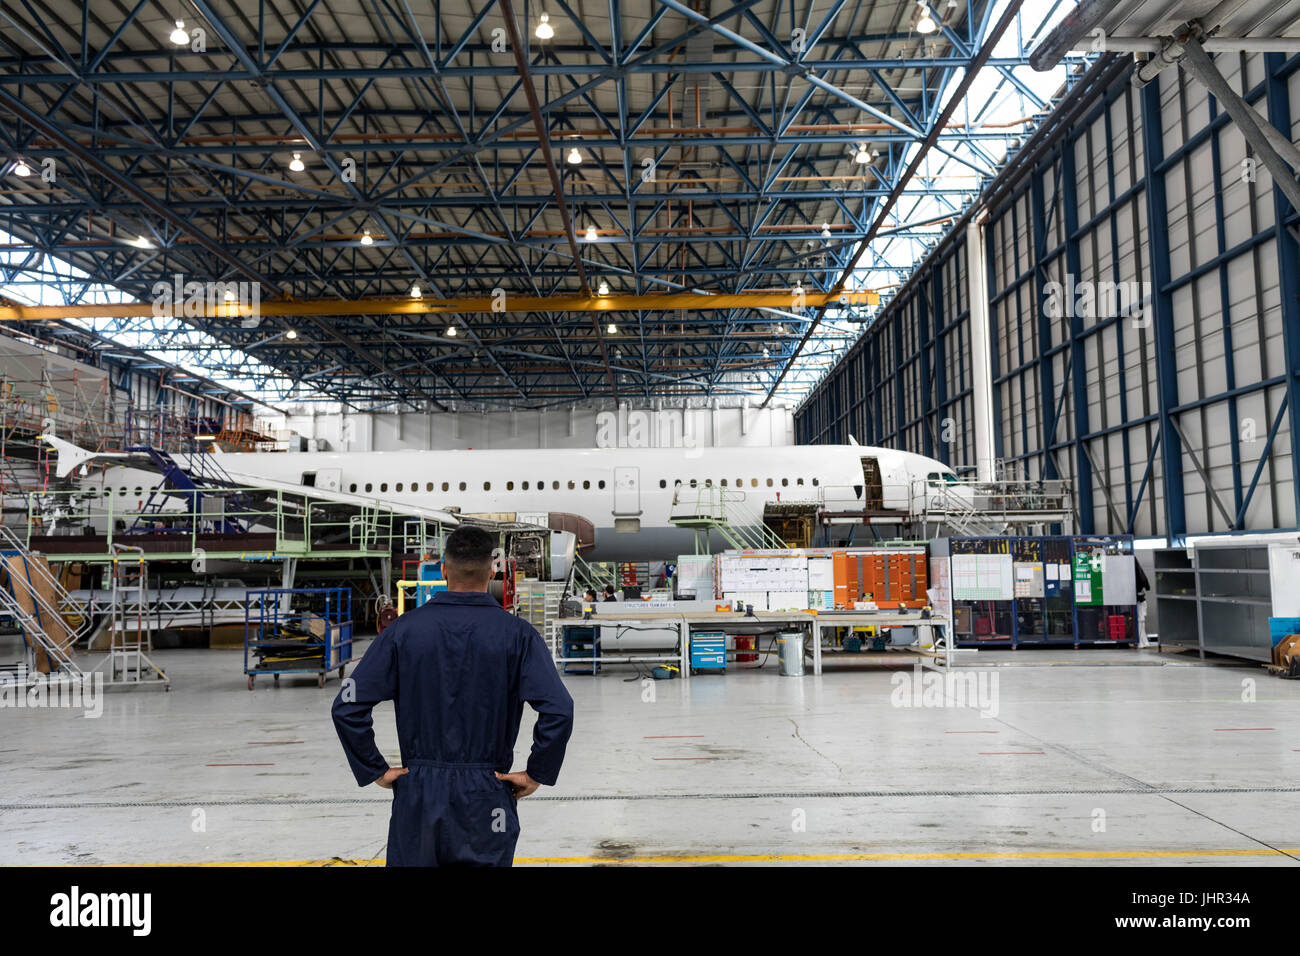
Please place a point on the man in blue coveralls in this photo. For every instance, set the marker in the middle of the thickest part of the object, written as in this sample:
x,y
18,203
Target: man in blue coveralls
x,y
459,670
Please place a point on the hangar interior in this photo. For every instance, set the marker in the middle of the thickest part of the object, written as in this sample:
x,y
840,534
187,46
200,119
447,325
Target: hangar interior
x,y
883,412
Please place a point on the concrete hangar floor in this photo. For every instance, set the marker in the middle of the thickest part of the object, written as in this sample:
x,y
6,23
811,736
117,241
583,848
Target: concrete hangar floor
x,y
1114,756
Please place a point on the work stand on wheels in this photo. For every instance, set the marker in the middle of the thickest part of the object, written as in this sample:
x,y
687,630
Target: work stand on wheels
x,y
297,631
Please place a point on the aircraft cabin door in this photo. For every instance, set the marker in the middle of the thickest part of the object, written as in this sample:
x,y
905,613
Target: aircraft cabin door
x,y
329,479
627,492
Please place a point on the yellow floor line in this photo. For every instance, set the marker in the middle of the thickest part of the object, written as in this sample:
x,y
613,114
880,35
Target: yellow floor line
x,y
799,858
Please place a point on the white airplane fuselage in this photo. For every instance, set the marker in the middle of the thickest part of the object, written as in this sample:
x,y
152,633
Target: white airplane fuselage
x,y
626,493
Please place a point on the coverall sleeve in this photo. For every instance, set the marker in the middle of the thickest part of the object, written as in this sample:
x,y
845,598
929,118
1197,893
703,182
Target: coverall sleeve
x,y
375,679
541,687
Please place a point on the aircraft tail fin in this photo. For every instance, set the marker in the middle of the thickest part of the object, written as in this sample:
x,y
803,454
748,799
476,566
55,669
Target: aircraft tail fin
x,y
70,456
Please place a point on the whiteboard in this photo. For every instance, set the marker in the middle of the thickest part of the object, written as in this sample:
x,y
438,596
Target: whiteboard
x,y
982,577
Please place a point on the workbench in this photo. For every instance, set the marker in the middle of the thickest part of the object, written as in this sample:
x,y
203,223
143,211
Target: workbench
x,y
831,619
683,621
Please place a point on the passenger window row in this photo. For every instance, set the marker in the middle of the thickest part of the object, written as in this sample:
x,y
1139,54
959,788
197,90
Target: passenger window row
x,y
414,486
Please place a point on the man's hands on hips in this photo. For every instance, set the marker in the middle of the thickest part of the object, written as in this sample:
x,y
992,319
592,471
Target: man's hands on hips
x,y
390,775
520,783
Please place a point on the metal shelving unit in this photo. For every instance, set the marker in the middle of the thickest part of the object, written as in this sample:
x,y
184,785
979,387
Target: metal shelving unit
x,y
1217,598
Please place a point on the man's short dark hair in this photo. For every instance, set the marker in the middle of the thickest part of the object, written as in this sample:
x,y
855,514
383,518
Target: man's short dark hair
x,y
609,589
469,548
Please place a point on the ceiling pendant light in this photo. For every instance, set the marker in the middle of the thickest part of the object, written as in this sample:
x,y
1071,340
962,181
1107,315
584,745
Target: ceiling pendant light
x,y
415,290
863,157
366,240
826,230
296,164
22,169
574,157
926,24
140,242
291,334
604,288
611,329
179,36
451,331
591,233
544,29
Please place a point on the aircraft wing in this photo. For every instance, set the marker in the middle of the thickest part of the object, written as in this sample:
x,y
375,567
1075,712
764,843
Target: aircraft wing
x,y
343,497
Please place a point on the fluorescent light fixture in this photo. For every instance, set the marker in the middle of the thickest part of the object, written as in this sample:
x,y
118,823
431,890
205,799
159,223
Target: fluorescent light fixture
x,y
296,164
544,29
205,437
574,157
179,36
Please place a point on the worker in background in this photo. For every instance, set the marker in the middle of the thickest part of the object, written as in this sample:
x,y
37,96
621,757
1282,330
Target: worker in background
x,y
459,670
609,593
589,597
1143,586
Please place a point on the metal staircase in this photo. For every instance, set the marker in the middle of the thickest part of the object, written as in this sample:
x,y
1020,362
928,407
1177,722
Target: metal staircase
x,y
962,518
708,508
204,477
591,575
34,597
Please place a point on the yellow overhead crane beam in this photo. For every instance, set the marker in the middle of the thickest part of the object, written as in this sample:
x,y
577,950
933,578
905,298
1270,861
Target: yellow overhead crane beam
x,y
205,305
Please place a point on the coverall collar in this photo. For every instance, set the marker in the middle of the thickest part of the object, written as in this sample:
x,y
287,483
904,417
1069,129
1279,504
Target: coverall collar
x,y
463,597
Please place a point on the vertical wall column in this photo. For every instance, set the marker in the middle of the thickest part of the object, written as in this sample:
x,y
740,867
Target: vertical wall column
x,y
981,349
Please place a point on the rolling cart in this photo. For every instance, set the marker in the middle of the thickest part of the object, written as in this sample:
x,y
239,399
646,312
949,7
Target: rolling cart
x,y
297,631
